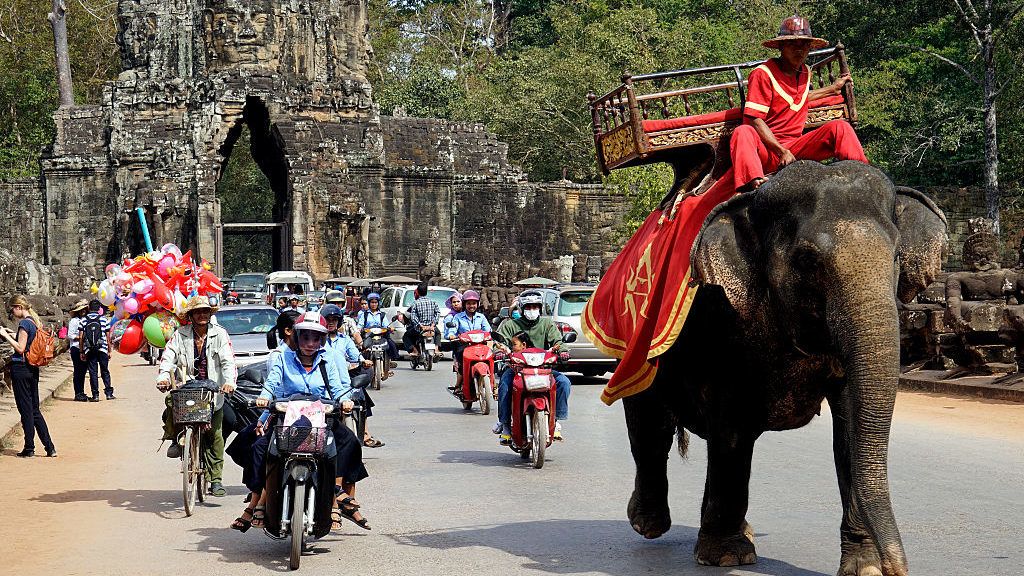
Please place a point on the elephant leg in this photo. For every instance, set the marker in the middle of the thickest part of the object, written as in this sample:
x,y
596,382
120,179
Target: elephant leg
x,y
859,552
650,427
725,538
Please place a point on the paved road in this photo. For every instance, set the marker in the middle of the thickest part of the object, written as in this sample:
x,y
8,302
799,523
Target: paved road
x,y
444,498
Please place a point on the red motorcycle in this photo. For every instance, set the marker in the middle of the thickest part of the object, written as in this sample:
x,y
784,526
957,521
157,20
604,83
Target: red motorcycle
x,y
533,401
477,371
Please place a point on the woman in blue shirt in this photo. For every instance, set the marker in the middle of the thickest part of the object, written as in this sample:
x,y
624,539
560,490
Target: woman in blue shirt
x,y
466,321
25,376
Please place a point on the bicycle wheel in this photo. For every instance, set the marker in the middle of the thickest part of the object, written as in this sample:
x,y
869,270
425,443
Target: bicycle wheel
x,y
189,479
297,526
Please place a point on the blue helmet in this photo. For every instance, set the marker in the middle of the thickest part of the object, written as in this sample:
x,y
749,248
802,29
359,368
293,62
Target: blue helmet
x,y
372,296
330,310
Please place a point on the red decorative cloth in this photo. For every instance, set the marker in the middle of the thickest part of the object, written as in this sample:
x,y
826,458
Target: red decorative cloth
x,y
639,307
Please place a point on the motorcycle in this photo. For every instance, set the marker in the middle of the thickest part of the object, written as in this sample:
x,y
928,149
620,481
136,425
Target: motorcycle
x,y
427,346
477,371
301,506
375,346
533,399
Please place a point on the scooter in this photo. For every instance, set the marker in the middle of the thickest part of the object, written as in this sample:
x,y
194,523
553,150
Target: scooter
x,y
533,399
477,371
377,348
301,506
427,346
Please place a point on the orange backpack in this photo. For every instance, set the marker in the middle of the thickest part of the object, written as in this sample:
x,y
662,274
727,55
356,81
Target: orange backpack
x,y
41,352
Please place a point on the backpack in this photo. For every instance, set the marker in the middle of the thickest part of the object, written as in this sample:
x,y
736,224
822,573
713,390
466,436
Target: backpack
x,y
92,334
41,352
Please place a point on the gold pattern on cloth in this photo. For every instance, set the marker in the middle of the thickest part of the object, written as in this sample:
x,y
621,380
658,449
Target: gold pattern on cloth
x,y
638,287
618,144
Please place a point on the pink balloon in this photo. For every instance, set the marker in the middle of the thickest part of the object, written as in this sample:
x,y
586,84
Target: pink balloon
x,y
163,267
131,305
143,286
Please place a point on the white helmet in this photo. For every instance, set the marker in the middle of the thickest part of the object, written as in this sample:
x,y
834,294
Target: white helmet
x,y
312,321
528,299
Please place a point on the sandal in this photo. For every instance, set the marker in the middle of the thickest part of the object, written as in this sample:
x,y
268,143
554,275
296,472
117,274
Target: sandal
x,y
241,523
372,442
351,517
335,519
258,516
347,503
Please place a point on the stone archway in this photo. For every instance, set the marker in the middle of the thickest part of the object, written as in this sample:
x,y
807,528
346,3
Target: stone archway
x,y
252,208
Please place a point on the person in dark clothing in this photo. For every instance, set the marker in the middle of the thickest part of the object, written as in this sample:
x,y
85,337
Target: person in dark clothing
x,y
95,349
26,376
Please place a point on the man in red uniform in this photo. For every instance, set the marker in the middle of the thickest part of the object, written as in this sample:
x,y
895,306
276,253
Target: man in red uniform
x,y
778,97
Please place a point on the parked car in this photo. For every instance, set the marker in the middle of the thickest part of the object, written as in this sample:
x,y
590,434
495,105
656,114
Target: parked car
x,y
584,357
395,299
248,324
249,287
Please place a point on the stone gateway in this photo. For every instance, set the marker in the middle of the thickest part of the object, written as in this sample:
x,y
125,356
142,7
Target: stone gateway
x,y
354,192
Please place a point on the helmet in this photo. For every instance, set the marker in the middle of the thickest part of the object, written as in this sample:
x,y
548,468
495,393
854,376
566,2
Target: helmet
x,y
457,296
372,296
528,299
312,321
330,310
471,295
334,297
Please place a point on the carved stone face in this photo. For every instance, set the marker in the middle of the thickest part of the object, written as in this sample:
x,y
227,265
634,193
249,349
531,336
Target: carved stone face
x,y
240,31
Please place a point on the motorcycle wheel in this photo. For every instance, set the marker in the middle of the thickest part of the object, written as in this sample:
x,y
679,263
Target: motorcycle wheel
x,y
467,405
428,364
483,394
297,527
378,366
539,441
189,456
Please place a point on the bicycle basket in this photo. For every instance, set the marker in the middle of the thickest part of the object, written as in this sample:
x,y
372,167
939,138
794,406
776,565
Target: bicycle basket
x,y
192,405
304,439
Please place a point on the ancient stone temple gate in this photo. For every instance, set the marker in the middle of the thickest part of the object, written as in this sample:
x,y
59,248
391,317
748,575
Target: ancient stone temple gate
x,y
354,192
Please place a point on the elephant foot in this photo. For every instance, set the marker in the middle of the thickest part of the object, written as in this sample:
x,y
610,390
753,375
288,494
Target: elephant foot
x,y
649,519
863,560
734,550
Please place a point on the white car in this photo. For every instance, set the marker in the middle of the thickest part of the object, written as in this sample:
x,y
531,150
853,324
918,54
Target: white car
x,y
584,357
395,299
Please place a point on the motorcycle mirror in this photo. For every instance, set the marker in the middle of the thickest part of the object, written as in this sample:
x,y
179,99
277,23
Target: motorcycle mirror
x,y
498,338
450,324
569,337
272,339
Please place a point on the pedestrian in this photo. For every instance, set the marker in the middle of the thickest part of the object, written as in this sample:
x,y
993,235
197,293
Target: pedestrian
x,y
94,343
26,376
77,314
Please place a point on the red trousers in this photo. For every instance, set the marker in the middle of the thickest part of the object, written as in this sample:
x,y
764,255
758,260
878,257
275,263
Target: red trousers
x,y
751,159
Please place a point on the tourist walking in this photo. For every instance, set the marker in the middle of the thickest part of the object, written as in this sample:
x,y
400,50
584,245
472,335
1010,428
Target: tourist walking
x,y
77,313
26,376
95,349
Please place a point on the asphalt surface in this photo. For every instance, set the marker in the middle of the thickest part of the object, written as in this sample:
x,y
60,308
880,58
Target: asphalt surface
x,y
444,498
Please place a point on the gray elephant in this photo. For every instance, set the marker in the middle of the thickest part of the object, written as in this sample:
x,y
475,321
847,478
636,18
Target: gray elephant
x,y
797,306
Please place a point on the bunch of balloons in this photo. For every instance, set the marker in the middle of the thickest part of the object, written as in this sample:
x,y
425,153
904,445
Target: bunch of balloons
x,y
147,294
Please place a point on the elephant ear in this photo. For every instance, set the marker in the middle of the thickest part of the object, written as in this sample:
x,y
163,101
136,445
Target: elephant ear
x,y
923,241
723,254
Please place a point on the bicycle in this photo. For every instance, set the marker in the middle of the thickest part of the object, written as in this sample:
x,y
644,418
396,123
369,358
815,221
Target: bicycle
x,y
193,409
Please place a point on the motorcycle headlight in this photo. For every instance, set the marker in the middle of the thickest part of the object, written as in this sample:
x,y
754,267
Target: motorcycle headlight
x,y
281,406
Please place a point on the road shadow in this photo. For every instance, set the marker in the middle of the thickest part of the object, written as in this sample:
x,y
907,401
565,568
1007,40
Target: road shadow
x,y
588,546
256,548
503,458
163,503
441,410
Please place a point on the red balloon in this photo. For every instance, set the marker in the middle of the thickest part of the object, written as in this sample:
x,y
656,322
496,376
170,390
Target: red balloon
x,y
132,339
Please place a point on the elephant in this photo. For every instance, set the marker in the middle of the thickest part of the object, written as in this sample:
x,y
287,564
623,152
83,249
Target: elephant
x,y
796,306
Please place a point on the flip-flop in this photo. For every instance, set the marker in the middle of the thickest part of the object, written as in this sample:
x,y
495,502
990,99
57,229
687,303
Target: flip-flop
x,y
258,516
362,523
241,524
372,442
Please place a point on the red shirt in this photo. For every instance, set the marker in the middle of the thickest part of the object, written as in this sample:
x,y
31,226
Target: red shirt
x,y
778,99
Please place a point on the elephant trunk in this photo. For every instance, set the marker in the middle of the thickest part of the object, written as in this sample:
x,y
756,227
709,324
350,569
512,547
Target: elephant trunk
x,y
862,313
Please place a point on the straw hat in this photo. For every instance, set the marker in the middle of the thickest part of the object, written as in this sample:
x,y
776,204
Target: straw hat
x,y
198,303
795,28
81,304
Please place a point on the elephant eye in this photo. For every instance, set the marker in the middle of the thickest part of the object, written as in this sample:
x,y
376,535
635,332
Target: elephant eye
x,y
805,258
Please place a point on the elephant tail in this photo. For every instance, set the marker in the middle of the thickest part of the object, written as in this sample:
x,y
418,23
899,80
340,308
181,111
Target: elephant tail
x,y
682,441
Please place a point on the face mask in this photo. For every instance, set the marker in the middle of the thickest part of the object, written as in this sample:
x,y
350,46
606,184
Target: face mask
x,y
531,314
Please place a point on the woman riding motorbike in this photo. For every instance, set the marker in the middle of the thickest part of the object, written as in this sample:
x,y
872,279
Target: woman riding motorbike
x,y
467,320
374,317
352,362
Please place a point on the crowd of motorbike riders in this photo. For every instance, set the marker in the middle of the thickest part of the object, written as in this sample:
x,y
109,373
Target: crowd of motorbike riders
x,y
320,355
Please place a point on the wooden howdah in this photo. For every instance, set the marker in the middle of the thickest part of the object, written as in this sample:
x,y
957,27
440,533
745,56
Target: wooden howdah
x,y
618,116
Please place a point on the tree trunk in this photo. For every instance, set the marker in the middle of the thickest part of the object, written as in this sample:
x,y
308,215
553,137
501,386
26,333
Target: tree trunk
x,y
991,142
59,23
